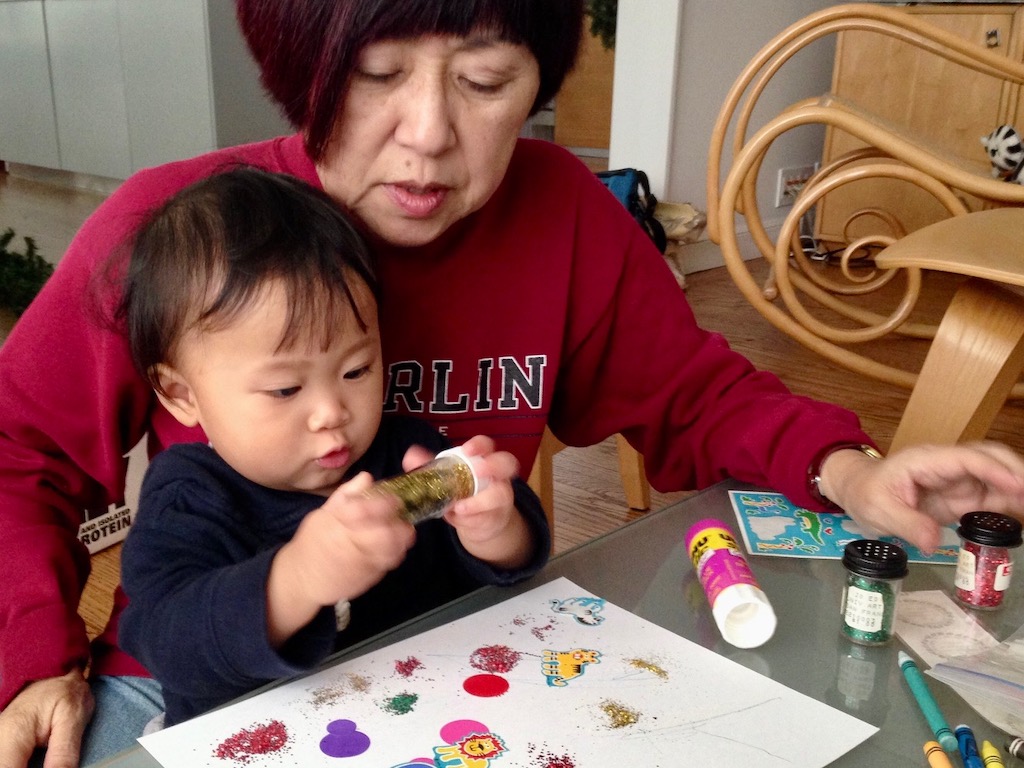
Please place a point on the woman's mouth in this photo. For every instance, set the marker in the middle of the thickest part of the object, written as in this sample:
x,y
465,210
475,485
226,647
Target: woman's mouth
x,y
417,202
335,459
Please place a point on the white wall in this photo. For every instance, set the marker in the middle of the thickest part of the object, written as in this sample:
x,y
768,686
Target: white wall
x,y
674,63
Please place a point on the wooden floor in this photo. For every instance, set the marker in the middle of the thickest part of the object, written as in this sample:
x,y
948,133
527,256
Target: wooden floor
x,y
588,495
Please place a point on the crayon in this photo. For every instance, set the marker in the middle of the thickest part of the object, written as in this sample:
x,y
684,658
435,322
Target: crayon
x,y
929,707
990,755
936,755
968,746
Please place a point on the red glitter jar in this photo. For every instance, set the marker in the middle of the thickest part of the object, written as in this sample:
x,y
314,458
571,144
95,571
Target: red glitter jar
x,y
984,566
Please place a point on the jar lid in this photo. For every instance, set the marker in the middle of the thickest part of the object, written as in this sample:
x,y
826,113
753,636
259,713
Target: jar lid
x,y
991,529
875,559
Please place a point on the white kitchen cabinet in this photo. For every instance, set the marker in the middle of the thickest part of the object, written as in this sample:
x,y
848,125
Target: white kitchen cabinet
x,y
88,87
27,125
137,83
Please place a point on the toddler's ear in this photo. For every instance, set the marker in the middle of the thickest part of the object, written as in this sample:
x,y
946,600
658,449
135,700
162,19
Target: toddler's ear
x,y
176,394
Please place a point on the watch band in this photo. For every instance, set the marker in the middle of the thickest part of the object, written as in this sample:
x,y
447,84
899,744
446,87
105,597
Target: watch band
x,y
814,471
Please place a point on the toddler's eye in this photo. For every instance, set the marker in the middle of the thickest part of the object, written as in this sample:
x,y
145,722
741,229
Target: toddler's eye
x,y
357,373
284,392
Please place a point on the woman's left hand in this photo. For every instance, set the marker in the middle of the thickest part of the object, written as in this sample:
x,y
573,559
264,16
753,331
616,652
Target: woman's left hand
x,y
916,491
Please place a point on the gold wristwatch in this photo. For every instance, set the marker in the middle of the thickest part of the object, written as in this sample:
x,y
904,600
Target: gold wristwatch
x,y
814,471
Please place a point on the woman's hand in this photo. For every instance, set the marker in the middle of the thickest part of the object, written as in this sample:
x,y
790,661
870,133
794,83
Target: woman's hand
x,y
49,713
338,552
916,491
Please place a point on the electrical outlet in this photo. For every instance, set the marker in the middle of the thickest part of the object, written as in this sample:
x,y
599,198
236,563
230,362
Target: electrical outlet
x,y
791,180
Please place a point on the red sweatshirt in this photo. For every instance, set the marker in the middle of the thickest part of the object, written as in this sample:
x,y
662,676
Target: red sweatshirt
x,y
549,305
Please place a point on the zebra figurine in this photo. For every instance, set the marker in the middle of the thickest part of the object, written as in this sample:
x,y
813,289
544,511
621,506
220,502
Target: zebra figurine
x,y
1006,153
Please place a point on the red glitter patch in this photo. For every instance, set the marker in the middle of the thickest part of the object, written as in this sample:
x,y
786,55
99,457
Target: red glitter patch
x,y
541,632
545,759
407,667
494,658
260,739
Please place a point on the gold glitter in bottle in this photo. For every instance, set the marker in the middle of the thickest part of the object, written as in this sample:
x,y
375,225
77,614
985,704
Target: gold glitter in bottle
x,y
428,491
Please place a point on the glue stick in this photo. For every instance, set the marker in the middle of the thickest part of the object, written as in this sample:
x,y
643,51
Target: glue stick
x,y
742,611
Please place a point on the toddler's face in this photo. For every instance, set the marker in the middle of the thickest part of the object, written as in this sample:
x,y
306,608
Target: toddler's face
x,y
294,418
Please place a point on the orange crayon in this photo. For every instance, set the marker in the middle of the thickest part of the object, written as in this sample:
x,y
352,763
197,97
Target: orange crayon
x,y
936,755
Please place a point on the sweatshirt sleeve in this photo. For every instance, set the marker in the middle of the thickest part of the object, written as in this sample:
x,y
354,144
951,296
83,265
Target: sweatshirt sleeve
x,y
71,407
196,615
635,361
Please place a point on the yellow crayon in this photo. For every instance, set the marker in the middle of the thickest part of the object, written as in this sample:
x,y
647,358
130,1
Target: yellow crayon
x,y
990,755
936,755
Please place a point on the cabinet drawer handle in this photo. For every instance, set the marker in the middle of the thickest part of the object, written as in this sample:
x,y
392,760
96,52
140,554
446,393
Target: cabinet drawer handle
x,y
992,38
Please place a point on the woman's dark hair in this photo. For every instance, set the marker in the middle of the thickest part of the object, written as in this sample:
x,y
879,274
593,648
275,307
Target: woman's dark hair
x,y
209,251
306,49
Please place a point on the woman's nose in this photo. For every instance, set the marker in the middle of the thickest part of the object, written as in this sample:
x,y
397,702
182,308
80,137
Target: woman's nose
x,y
425,117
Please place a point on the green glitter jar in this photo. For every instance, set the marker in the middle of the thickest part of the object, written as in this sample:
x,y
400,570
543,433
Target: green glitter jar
x,y
874,575
428,491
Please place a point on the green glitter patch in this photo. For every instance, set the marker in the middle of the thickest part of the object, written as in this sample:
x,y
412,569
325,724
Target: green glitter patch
x,y
402,704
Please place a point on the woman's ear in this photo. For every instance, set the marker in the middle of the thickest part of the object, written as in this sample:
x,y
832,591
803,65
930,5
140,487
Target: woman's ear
x,y
176,394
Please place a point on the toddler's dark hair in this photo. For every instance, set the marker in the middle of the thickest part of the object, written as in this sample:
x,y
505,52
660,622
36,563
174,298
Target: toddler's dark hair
x,y
209,251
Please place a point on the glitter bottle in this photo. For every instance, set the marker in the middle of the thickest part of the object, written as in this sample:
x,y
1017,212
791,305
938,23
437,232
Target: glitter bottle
x,y
428,491
874,576
984,566
741,609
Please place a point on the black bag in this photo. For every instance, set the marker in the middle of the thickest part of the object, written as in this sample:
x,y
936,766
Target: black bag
x,y
633,190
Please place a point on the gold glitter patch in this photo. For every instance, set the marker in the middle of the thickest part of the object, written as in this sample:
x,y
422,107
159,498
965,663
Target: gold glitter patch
x,y
649,667
618,715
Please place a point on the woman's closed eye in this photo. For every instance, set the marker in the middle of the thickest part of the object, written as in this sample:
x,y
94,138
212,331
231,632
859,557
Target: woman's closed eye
x,y
482,87
377,76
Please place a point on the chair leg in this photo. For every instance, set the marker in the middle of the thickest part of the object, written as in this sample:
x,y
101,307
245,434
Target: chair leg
x,y
542,476
634,478
976,358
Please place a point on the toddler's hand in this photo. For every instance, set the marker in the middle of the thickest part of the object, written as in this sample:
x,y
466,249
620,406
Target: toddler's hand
x,y
488,524
338,552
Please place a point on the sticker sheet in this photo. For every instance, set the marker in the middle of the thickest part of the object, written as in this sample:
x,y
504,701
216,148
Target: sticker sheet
x,y
773,525
553,678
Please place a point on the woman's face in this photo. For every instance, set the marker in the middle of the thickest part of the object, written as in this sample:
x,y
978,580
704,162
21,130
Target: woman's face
x,y
426,131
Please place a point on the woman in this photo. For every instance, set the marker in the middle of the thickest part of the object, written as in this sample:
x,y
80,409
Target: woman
x,y
516,292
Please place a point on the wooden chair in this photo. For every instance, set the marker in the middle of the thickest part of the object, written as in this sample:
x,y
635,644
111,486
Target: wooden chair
x,y
975,358
631,470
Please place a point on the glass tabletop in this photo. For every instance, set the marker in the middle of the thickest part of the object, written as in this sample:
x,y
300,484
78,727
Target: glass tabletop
x,y
643,567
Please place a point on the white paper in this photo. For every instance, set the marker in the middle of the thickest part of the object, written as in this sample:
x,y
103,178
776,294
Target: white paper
x,y
940,631
936,628
636,695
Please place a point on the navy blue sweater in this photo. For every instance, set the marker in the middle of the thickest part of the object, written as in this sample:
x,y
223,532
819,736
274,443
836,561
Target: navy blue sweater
x,y
196,562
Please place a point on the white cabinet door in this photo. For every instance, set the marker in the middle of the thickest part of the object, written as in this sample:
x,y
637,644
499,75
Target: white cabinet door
x,y
167,79
28,131
88,87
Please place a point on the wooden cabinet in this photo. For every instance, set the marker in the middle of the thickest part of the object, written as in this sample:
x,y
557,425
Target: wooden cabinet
x,y
27,125
951,106
127,84
583,107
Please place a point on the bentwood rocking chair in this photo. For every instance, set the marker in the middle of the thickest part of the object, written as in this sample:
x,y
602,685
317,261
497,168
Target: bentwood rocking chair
x,y
838,309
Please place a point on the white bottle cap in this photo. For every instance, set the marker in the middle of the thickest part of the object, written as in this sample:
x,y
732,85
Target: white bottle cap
x,y
479,483
744,616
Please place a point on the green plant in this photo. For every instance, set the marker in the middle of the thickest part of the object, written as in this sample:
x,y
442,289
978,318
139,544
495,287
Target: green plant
x,y
21,274
602,20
